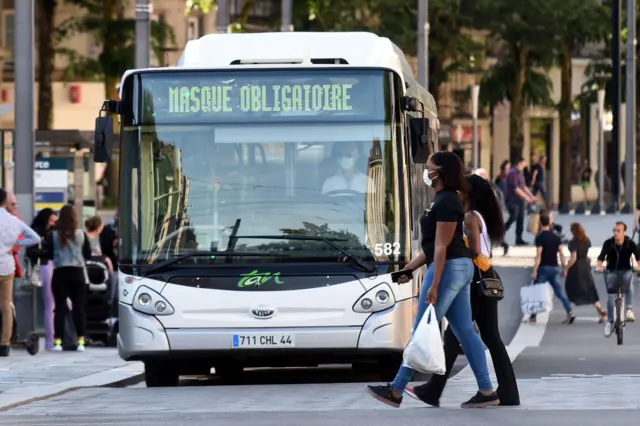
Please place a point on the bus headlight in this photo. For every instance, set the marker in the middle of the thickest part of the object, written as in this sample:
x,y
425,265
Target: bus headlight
x,y
377,299
382,297
150,302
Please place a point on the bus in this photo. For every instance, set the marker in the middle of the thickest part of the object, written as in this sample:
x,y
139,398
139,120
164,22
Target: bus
x,y
269,185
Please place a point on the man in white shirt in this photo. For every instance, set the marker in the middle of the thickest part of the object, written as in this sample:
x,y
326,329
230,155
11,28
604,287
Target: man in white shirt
x,y
11,228
348,177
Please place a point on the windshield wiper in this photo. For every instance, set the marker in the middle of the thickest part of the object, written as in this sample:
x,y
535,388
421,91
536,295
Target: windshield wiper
x,y
162,265
330,241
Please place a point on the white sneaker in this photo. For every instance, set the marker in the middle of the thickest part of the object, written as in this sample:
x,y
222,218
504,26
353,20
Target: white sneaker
x,y
80,348
57,348
608,329
629,316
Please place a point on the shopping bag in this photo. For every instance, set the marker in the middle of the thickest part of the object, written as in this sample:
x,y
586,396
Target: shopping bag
x,y
535,298
533,223
425,352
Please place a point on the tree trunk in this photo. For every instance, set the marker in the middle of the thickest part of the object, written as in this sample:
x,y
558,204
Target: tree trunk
x,y
46,10
564,112
516,114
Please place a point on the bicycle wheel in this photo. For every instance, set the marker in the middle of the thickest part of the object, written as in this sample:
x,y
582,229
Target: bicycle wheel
x,y
619,324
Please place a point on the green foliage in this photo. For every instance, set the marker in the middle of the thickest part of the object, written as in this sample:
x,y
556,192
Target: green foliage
x,y
600,70
451,49
114,34
497,85
203,5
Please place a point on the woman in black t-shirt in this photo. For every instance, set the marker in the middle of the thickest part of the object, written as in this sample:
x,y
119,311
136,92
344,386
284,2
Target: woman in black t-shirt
x,y
447,282
484,227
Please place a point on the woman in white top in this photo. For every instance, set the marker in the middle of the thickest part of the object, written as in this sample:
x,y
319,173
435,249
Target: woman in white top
x,y
483,227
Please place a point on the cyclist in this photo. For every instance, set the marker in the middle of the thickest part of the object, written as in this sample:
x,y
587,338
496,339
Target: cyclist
x,y
617,252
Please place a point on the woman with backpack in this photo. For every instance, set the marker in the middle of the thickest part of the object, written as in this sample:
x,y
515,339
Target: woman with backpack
x,y
68,247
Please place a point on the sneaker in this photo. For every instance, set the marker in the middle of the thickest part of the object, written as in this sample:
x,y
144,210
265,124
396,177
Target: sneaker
x,y
629,316
57,345
608,329
570,318
5,350
481,400
80,347
384,393
419,394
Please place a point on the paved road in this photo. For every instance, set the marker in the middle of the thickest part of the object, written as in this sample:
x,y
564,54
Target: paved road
x,y
567,374
598,228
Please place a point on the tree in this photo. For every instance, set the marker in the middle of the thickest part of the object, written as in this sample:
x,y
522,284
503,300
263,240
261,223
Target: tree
x,y
519,31
451,48
599,74
333,15
204,6
104,20
47,37
578,22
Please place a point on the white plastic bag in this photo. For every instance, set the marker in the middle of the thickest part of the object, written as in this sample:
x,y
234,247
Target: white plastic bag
x,y
535,298
425,351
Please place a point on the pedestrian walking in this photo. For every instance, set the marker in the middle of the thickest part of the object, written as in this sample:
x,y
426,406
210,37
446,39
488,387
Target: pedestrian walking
x,y
538,183
11,231
68,247
517,196
579,284
483,227
43,223
447,281
546,269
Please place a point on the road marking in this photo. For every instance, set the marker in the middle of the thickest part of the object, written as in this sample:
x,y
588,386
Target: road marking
x,y
528,335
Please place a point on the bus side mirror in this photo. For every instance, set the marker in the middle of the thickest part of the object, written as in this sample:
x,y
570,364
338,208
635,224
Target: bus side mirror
x,y
103,136
421,139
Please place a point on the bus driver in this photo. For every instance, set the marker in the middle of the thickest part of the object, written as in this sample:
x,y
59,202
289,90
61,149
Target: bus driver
x,y
347,177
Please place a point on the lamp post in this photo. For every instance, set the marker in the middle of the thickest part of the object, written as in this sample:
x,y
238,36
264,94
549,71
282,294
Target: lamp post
x,y
423,43
24,23
630,136
599,207
287,11
475,92
222,18
144,9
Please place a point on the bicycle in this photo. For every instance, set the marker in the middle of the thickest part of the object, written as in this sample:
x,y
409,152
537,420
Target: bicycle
x,y
619,317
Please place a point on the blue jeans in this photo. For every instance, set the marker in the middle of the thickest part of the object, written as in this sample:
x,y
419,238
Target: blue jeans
x,y
454,303
628,296
550,274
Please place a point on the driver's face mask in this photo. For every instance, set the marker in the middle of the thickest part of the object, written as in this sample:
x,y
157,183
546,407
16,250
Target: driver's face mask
x,y
346,163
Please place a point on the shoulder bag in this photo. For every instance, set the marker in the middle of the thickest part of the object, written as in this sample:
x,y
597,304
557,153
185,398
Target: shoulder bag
x,y
488,281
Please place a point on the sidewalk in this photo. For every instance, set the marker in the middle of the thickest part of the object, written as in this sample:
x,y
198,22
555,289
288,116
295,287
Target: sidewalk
x,y
25,378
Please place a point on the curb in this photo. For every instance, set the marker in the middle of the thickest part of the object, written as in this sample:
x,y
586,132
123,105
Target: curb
x,y
113,378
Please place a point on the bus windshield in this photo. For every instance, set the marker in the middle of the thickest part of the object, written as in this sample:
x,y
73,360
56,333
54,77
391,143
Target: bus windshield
x,y
208,157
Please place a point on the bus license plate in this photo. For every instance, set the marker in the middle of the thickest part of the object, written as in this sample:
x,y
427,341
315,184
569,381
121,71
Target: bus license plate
x,y
263,341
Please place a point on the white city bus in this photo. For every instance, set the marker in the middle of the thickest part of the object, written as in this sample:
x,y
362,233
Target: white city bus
x,y
270,183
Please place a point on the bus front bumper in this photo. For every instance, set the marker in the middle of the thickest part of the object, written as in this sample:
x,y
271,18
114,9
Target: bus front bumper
x,y
143,337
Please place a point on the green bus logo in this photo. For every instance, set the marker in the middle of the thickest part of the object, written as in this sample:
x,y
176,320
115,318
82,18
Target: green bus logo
x,y
256,278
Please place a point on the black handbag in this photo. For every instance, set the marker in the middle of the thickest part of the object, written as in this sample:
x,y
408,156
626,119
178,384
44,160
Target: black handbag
x,y
489,282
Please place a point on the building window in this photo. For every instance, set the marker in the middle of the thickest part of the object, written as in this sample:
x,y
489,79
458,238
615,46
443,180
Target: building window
x,y
193,28
7,29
